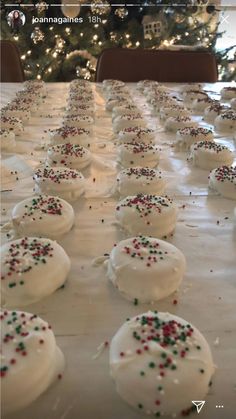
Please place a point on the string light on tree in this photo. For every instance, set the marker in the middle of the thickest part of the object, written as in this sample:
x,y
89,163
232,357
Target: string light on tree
x,y
37,35
99,7
121,12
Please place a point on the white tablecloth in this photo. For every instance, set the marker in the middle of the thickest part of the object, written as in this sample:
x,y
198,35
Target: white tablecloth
x,y
89,310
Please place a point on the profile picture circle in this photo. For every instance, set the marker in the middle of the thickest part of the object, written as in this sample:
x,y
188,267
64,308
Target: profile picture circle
x,y
16,19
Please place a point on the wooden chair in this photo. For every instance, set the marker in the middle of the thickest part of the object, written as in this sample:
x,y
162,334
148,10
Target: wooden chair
x,y
11,66
132,65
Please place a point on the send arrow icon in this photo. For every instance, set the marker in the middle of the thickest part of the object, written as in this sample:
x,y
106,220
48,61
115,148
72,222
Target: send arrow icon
x,y
199,404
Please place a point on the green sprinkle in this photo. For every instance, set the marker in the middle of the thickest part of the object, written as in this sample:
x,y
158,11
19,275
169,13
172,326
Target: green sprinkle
x,y
151,365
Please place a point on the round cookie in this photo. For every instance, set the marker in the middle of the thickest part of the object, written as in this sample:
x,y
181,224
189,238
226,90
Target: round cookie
x,y
223,181
228,92
117,101
145,269
66,183
80,109
136,180
174,123
190,95
7,140
150,215
124,110
213,110
79,121
138,154
200,104
43,215
65,134
136,134
209,155
185,137
226,121
191,87
85,98
12,124
128,120
173,110
16,111
159,363
31,268
69,155
28,344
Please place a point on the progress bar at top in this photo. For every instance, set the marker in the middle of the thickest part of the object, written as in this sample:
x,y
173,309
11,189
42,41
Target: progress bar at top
x,y
122,5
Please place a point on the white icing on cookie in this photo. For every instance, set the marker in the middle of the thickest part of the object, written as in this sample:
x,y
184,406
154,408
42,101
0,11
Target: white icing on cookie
x,y
127,121
59,181
43,215
209,155
32,268
82,121
73,135
178,122
228,92
185,137
28,344
159,363
145,269
223,181
136,180
12,124
138,154
136,134
150,215
226,121
69,155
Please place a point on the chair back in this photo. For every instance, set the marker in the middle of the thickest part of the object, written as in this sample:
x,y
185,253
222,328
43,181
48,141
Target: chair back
x,y
11,66
132,65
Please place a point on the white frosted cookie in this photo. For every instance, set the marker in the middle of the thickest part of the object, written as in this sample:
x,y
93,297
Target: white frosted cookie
x,y
160,363
173,110
138,154
223,181
190,95
28,344
213,110
228,92
7,140
233,103
121,110
69,155
68,184
136,180
12,124
130,120
80,109
25,103
85,98
200,104
209,155
16,111
161,100
145,269
79,121
150,215
226,121
174,123
65,134
185,137
112,82
142,84
136,134
43,215
32,268
191,87
113,102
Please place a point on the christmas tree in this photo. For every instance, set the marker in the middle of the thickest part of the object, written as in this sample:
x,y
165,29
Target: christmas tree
x,y
55,49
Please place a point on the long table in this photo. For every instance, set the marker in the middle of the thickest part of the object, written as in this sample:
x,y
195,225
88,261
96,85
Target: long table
x,y
88,311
